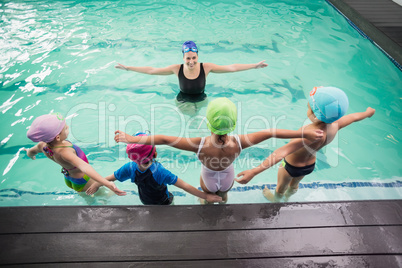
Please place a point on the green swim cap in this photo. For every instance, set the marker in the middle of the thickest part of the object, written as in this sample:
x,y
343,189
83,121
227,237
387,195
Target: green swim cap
x,y
221,116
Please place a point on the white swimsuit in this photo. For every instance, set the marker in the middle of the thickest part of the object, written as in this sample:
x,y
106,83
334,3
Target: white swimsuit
x,y
221,180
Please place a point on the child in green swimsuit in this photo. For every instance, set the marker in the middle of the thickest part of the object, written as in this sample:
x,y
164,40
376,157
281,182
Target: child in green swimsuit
x,y
51,132
326,109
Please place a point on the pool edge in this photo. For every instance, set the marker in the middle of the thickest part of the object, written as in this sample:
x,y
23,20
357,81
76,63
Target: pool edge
x,y
391,49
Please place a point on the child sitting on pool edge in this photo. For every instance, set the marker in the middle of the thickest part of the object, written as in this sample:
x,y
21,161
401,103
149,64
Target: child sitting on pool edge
x,y
51,132
326,109
151,177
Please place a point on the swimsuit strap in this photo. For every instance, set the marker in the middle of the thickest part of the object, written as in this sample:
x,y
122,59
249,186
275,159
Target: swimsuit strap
x,y
70,146
49,151
200,146
65,146
238,141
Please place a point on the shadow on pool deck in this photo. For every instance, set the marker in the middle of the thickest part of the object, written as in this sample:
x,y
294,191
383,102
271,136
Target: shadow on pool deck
x,y
327,234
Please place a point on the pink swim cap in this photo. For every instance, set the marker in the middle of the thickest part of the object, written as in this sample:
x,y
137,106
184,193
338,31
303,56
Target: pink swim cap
x,y
140,153
46,127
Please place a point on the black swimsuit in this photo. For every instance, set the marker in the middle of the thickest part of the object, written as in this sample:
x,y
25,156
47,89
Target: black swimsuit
x,y
297,171
191,90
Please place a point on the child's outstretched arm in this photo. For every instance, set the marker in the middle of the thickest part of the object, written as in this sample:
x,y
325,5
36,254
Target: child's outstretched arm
x,y
188,144
73,159
32,152
257,137
280,153
351,118
194,191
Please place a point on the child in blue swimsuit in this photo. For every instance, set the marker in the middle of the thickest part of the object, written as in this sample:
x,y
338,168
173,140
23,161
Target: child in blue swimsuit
x,y
51,132
151,177
326,109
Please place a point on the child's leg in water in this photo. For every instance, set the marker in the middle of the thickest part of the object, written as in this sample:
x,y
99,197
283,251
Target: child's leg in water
x,y
224,195
283,182
293,187
204,188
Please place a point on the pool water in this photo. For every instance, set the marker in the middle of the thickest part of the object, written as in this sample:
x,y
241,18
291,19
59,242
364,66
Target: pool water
x,y
60,56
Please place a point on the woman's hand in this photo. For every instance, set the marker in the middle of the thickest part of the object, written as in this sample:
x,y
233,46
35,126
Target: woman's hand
x,y
261,64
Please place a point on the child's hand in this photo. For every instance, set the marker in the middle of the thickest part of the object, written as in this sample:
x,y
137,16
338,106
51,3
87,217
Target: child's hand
x,y
93,188
30,154
120,136
247,176
121,67
117,191
370,111
211,198
313,134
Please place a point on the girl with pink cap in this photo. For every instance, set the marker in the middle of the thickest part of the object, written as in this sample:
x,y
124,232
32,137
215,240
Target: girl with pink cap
x,y
51,131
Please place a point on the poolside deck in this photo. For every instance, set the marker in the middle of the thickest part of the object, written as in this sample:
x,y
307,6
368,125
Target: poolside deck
x,y
380,20
338,234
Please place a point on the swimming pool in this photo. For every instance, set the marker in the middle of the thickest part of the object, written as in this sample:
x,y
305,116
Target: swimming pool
x,y
59,56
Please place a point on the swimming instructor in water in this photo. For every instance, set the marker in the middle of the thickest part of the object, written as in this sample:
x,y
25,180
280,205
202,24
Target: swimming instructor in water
x,y
192,75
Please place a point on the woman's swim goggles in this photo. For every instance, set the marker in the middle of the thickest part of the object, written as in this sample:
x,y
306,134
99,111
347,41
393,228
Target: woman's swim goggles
x,y
187,49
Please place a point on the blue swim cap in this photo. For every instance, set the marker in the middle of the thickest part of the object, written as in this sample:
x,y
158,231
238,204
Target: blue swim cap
x,y
189,46
328,103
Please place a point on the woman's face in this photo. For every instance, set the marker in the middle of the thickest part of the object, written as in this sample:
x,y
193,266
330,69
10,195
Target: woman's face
x,y
190,59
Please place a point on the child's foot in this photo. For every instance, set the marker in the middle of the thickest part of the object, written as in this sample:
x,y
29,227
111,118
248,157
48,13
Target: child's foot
x,y
268,195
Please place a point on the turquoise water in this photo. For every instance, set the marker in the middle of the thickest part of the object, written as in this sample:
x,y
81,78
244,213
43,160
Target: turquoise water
x,y
60,56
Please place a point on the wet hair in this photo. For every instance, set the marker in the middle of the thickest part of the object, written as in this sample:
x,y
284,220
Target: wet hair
x,y
222,138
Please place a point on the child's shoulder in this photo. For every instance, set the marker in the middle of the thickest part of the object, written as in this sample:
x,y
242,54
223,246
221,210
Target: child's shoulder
x,y
161,174
157,167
